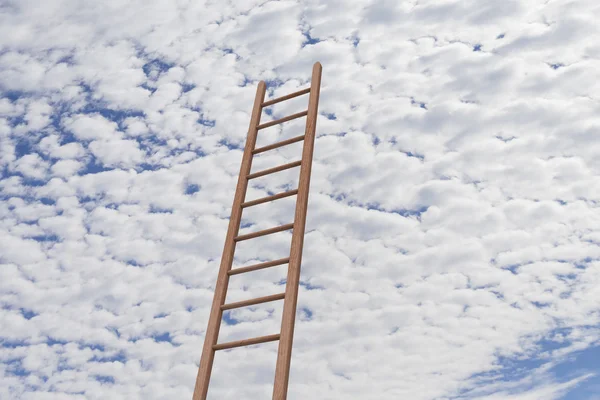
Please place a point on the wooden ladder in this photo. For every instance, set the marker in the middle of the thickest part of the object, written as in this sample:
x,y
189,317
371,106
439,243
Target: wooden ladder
x,y
290,296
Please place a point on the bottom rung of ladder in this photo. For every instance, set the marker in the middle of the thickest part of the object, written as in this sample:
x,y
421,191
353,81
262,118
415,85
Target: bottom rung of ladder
x,y
246,342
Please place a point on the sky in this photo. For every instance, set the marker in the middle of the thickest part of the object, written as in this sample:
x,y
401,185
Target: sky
x,y
452,247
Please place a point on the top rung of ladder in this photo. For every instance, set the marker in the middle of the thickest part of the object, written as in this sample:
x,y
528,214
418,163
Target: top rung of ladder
x,y
286,97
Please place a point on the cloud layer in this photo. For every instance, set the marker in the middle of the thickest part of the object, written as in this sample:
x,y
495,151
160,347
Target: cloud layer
x,y
452,247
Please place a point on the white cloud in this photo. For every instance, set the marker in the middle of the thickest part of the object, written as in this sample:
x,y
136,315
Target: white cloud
x,y
66,168
32,166
19,251
36,118
113,153
51,146
90,127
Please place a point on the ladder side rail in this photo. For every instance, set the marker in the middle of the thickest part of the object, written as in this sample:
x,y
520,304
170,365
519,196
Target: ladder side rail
x,y
216,313
284,353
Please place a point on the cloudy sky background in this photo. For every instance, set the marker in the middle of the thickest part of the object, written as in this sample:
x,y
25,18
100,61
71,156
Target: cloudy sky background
x,y
453,242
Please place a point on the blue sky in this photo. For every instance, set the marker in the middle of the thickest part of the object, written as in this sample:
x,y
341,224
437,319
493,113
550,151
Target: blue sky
x,y
452,232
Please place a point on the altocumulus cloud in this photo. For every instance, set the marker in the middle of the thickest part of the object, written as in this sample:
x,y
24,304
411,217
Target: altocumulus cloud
x,y
452,249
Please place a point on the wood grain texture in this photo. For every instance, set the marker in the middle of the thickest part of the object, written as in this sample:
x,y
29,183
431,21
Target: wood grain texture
x,y
246,342
252,302
256,267
264,232
274,169
214,321
270,198
284,353
282,120
279,144
286,97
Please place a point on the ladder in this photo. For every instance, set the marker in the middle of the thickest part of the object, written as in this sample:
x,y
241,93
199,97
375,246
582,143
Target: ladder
x,y
290,296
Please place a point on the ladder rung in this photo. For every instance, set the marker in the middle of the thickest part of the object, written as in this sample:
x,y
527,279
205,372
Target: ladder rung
x,y
256,267
278,144
270,198
251,302
282,120
264,232
275,169
286,97
246,342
